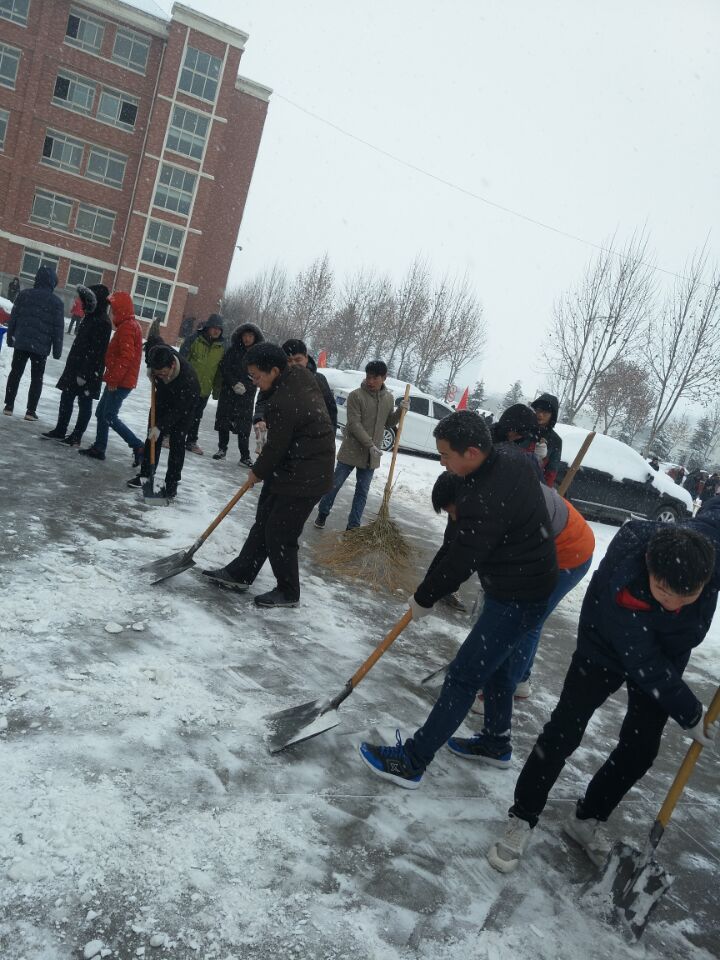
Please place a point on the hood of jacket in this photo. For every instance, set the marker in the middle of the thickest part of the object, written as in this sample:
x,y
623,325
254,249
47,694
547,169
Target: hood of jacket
x,y
519,418
102,295
546,401
214,320
46,278
236,338
122,306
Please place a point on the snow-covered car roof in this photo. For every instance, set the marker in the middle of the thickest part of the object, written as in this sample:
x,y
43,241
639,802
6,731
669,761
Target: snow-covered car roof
x,y
6,304
351,379
618,459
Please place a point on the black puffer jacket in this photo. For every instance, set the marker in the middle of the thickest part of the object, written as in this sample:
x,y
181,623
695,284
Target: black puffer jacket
x,y
37,319
551,463
503,534
87,354
327,393
298,459
233,408
176,399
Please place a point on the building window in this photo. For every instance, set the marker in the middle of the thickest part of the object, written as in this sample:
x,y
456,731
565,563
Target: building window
x,y
84,31
117,108
200,74
94,223
51,210
15,10
162,244
175,189
9,62
4,118
32,261
151,298
81,274
131,50
74,93
105,166
188,132
62,152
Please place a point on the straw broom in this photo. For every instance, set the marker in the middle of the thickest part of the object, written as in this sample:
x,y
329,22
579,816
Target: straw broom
x,y
376,553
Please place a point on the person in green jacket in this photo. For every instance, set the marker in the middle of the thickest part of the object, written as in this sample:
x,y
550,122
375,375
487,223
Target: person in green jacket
x,y
204,350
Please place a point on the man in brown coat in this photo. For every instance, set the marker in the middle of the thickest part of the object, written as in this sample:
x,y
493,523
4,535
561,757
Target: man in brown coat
x,y
295,467
370,409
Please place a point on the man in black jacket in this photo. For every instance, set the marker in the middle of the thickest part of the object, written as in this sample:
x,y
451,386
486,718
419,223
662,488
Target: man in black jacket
x,y
298,356
650,601
503,534
176,396
296,467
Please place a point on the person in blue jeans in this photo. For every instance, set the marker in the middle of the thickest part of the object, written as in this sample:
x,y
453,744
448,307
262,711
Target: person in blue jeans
x,y
503,535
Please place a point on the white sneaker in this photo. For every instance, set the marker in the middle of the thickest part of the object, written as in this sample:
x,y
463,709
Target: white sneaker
x,y
523,690
591,836
506,853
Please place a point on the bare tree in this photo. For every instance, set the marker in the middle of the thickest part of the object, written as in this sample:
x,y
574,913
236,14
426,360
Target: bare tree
x,y
683,346
466,329
311,298
430,341
357,327
622,395
600,321
262,300
409,314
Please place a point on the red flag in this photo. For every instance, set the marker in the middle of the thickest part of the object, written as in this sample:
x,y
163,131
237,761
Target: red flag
x,y
322,359
462,405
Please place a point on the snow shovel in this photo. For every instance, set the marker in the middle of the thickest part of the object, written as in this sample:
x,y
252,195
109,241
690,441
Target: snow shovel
x,y
634,878
315,717
183,559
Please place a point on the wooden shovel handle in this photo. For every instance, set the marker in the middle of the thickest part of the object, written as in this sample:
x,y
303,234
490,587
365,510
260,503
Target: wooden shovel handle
x,y
570,475
152,423
687,766
223,513
396,445
380,649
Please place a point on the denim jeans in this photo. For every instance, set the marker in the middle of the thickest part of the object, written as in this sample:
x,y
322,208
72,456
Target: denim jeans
x,y
498,689
67,401
490,643
107,416
362,487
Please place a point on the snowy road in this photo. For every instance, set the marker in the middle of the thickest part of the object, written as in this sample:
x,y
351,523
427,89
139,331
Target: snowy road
x,y
140,808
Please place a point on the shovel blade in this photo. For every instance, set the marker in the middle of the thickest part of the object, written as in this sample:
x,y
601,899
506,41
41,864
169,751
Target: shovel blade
x,y
636,882
300,723
169,566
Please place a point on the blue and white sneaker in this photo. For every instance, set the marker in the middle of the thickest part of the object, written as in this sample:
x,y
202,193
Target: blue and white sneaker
x,y
391,763
473,748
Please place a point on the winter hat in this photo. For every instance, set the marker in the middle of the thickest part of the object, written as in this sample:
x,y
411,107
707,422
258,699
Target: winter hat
x,y
291,347
214,320
519,418
160,356
549,402
87,298
152,341
123,306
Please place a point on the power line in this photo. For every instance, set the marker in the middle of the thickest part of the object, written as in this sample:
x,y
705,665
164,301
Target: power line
x,y
469,193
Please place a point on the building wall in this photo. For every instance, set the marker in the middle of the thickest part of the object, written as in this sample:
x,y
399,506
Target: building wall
x,y
223,172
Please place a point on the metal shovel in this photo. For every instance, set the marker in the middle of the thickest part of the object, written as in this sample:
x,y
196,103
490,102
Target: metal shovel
x,y
316,716
633,878
183,559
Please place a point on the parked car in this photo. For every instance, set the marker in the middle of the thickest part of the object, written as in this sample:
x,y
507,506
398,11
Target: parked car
x,y
615,483
420,420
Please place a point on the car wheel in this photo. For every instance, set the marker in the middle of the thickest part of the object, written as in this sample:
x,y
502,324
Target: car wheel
x,y
388,439
666,513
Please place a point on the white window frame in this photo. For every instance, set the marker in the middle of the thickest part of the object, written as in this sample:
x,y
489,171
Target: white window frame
x,y
160,249
9,54
96,26
109,156
189,73
134,39
122,98
78,81
96,213
67,144
143,301
9,8
96,272
182,132
181,192
57,201
44,259
4,124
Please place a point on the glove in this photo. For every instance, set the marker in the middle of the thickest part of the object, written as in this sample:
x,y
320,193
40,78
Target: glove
x,y
404,404
418,611
540,450
260,427
154,434
705,738
376,450
80,381
239,388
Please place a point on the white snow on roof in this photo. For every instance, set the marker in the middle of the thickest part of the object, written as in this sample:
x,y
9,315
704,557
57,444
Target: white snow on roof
x,y
147,6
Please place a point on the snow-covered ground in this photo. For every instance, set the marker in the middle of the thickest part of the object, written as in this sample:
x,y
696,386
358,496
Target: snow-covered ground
x,y
140,811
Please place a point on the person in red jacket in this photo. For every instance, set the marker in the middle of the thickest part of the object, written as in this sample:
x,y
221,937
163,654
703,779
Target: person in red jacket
x,y
122,366
77,313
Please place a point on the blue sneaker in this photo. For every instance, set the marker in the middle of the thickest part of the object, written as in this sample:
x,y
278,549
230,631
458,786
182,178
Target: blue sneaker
x,y
391,763
473,748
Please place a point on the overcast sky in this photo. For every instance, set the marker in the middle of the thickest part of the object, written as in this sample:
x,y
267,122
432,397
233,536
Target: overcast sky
x,y
593,117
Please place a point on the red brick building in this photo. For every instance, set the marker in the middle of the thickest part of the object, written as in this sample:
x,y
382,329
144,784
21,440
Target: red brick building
x,y
127,146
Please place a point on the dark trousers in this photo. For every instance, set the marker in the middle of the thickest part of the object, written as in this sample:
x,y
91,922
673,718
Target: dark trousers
x,y
67,400
274,535
587,686
74,321
17,368
176,458
197,416
244,425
